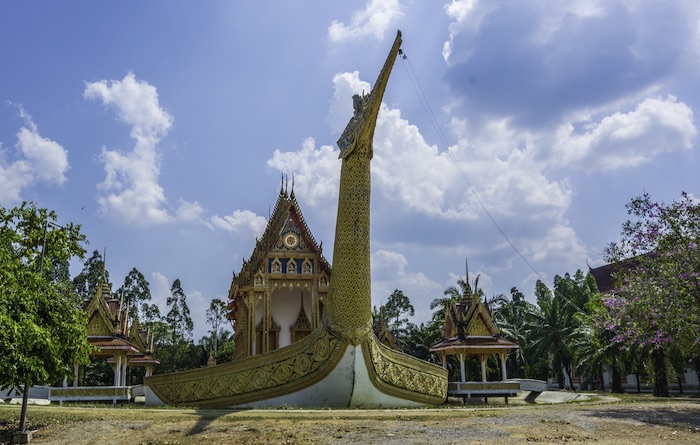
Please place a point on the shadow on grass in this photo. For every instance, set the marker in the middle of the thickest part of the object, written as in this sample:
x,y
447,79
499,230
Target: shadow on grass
x,y
207,416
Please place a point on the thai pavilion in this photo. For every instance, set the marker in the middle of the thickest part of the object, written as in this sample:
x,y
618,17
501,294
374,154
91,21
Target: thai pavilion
x,y
470,330
115,336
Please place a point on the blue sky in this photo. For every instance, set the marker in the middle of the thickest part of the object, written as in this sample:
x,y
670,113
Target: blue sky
x,y
164,128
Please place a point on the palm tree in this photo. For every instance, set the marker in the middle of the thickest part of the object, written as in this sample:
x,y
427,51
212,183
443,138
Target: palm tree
x,y
550,329
511,318
494,302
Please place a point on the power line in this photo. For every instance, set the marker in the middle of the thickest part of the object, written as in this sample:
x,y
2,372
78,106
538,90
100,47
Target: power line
x,y
443,140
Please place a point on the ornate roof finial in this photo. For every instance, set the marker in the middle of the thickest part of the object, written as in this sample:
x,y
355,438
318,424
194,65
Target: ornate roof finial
x,y
467,291
291,195
104,263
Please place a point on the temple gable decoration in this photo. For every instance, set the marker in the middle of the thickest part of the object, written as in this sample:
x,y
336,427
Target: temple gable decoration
x,y
285,277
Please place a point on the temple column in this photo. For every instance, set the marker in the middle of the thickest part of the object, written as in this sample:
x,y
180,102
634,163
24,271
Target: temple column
x,y
76,370
266,322
252,333
461,368
315,317
482,359
504,375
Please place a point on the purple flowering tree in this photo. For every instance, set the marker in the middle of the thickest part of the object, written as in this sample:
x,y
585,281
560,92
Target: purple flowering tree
x,y
657,276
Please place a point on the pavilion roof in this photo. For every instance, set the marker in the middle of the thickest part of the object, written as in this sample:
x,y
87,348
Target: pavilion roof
x,y
472,345
107,345
139,360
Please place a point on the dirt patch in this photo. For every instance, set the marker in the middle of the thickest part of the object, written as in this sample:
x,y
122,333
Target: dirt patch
x,y
642,422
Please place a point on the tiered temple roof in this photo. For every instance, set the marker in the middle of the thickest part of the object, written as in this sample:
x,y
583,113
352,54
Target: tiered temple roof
x,y
114,334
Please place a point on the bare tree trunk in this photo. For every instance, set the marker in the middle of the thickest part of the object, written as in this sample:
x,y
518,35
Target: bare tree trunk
x,y
616,377
23,414
660,377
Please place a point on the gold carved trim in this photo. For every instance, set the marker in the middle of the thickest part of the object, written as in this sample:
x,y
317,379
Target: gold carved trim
x,y
401,375
261,377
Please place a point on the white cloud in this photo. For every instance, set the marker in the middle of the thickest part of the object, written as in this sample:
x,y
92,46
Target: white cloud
x,y
389,268
38,159
374,20
410,171
160,291
130,191
316,171
160,286
345,85
625,140
243,222
189,211
460,11
426,185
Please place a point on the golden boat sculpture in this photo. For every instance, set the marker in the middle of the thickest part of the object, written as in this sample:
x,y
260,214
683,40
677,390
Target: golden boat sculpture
x,y
341,363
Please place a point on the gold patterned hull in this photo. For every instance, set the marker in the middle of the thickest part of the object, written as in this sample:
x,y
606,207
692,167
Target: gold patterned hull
x,y
319,371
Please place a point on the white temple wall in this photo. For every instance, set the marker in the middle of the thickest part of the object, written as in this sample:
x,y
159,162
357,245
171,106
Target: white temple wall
x,y
285,304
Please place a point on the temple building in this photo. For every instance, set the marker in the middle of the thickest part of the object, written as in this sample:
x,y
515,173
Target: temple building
x,y
278,296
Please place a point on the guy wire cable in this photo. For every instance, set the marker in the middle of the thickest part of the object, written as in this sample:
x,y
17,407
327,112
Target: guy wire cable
x,y
443,140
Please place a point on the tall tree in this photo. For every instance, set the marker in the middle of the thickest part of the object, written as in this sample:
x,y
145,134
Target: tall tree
x,y
216,315
135,291
178,316
42,332
658,277
86,282
397,309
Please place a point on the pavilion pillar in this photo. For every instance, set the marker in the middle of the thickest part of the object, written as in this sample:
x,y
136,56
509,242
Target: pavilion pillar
x,y
462,371
149,371
117,369
444,361
123,373
76,369
482,359
504,375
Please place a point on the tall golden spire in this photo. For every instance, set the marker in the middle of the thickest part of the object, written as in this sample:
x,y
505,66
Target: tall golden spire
x,y
349,308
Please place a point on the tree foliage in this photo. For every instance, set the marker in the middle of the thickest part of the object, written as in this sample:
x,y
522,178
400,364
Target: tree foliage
x,y
42,332
86,282
657,275
178,316
216,316
136,291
